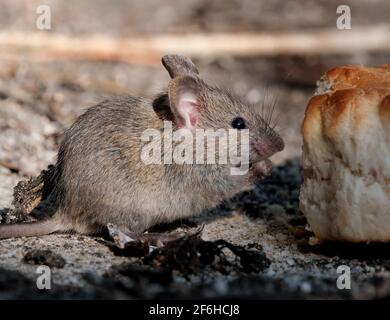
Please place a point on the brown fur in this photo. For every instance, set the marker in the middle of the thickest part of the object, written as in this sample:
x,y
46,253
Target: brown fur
x,y
101,179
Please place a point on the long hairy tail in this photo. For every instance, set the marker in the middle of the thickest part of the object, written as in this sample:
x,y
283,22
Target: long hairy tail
x,y
30,229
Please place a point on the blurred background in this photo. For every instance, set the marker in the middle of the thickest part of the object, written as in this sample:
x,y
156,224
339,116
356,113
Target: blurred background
x,y
272,52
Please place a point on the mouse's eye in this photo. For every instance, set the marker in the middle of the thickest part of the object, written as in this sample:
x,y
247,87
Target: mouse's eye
x,y
238,123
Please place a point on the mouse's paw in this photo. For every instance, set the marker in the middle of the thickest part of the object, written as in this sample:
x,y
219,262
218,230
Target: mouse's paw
x,y
260,169
122,236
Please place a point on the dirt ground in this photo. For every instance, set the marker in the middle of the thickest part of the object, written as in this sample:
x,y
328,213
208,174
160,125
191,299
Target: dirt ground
x,y
270,257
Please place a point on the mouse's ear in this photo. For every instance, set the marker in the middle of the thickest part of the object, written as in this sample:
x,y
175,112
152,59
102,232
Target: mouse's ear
x,y
178,65
183,94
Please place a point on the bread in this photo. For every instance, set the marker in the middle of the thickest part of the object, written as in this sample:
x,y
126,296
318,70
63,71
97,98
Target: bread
x,y
345,194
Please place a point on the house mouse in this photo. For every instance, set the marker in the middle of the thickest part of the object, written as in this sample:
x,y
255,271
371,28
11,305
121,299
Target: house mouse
x,y
101,179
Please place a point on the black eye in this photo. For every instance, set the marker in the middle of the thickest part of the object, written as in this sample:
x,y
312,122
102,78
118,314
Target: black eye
x,y
238,123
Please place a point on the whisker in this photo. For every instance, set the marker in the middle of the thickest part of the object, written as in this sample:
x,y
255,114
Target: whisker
x,y
274,103
276,121
272,107
282,130
266,88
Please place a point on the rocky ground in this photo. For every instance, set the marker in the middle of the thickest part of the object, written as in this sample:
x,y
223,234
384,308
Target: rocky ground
x,y
252,246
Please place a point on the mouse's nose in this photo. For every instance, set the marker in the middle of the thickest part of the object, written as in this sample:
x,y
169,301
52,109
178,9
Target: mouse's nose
x,y
265,147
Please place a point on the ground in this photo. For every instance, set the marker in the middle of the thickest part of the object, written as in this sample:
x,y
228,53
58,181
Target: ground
x,y
266,253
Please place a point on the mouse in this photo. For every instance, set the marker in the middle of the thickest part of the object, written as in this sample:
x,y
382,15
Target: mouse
x,y
100,178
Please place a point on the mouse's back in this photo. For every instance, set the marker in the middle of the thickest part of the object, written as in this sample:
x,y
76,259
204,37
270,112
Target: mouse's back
x,y
99,162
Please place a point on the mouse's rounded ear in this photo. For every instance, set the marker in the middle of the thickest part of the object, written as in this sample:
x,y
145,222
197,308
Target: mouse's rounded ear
x,y
178,65
183,94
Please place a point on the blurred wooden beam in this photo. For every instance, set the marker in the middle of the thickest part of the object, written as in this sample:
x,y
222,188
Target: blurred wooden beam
x,y
148,49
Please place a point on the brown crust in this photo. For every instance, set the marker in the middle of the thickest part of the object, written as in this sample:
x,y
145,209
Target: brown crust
x,y
350,88
359,77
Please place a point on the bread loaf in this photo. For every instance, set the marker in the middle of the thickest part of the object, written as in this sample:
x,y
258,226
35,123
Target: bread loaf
x,y
345,193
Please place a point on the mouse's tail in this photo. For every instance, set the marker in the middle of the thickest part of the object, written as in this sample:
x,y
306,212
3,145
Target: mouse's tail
x,y
30,229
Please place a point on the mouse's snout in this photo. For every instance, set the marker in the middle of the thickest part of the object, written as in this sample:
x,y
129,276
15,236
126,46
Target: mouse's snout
x,y
267,146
